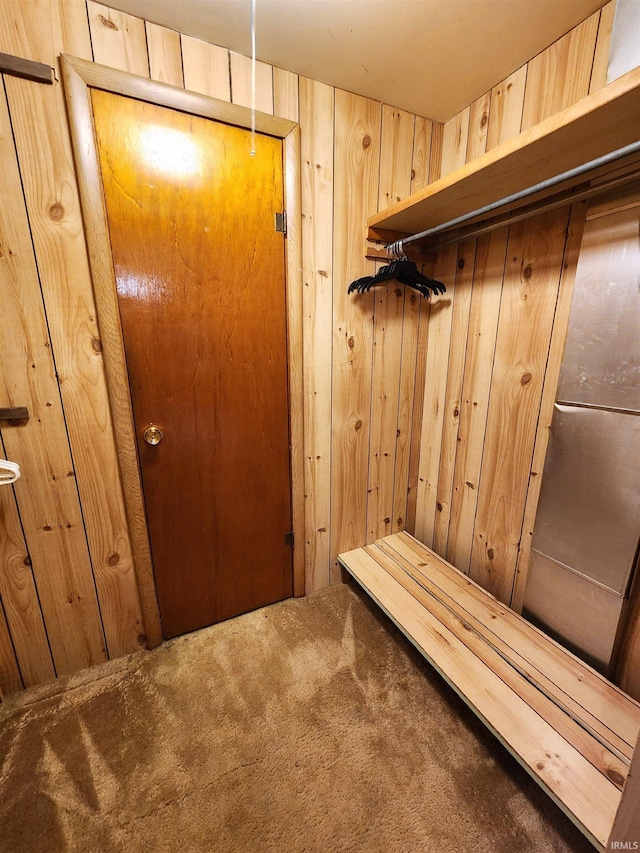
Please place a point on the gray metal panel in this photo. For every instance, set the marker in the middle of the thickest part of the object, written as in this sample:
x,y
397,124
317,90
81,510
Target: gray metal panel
x,y
601,364
589,511
574,610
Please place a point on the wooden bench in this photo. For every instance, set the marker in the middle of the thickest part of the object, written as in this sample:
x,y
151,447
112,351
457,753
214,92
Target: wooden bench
x,y
571,729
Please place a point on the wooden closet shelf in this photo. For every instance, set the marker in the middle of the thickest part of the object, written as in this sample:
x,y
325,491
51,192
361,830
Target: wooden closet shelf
x,y
571,729
600,123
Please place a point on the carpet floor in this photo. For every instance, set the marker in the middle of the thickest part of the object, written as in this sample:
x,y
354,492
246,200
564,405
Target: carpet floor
x,y
311,725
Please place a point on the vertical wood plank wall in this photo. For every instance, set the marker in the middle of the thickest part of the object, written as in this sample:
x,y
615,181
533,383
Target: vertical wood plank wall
x,y
68,592
488,350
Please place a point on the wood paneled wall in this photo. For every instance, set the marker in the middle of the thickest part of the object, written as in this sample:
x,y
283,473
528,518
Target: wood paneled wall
x,y
566,71
68,591
371,364
495,342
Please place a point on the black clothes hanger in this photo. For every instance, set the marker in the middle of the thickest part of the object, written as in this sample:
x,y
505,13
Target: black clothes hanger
x,y
404,271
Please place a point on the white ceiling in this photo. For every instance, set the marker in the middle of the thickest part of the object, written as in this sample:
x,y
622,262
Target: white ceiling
x,y
431,57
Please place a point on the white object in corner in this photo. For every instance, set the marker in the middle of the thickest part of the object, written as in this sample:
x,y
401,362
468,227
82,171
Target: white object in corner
x,y
9,472
624,52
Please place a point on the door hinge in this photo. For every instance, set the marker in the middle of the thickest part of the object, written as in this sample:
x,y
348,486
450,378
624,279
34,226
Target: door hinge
x,y
281,222
288,538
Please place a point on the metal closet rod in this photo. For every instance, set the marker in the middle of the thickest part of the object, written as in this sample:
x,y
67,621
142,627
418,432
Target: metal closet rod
x,y
543,207
398,247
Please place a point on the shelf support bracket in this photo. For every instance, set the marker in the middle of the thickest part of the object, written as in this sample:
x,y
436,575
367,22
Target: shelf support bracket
x,y
16,66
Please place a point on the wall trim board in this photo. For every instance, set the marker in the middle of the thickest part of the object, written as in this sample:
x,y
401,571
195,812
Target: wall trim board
x,y
16,66
76,87
98,76
295,313
79,77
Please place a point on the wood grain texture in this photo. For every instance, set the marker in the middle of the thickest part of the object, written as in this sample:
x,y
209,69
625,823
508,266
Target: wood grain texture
x,y
479,118
22,633
416,326
552,374
586,794
206,68
435,158
476,386
561,74
119,40
417,413
316,124
409,371
285,94
452,402
16,66
594,126
505,118
454,609
96,232
46,492
396,156
626,674
225,455
454,142
165,56
421,153
10,678
103,273
151,92
20,602
626,826
27,26
357,161
241,83
601,707
295,348
437,359
395,184
507,103
532,276
603,46
385,390
48,177
507,648
41,31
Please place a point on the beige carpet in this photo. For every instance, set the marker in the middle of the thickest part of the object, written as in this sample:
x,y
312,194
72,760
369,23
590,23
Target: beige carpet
x,y
311,725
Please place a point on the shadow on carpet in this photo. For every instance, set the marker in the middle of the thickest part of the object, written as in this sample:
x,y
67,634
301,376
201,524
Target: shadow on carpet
x,y
311,725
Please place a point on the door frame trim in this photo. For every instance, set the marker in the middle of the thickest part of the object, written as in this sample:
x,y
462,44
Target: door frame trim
x,y
79,76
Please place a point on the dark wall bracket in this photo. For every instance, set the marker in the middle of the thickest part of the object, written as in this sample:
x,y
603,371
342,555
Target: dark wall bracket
x,y
14,416
26,68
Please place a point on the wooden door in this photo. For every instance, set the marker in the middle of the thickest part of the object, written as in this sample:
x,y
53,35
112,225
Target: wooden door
x,y
201,289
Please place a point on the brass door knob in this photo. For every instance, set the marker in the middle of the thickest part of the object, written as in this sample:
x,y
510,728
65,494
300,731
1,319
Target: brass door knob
x,y
153,435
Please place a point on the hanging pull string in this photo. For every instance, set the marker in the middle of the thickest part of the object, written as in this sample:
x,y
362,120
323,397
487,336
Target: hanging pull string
x,y
253,78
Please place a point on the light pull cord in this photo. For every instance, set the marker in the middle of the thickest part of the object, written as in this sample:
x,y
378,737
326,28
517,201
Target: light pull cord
x,y
253,78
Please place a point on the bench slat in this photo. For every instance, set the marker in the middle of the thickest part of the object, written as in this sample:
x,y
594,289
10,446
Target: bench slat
x,y
585,794
593,750
486,617
617,712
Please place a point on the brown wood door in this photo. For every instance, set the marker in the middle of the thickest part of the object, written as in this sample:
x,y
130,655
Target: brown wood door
x,y
201,288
